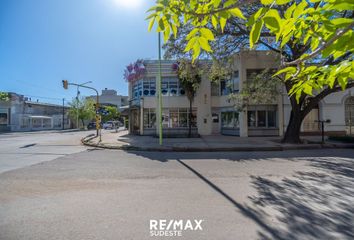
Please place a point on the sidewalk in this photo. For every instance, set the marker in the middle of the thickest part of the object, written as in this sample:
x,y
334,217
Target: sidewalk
x,y
122,140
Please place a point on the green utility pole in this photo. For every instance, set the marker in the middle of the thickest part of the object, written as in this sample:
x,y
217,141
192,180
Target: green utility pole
x,y
159,93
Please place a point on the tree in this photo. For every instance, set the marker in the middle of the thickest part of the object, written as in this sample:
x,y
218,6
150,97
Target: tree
x,y
4,96
313,39
189,76
260,88
113,114
83,108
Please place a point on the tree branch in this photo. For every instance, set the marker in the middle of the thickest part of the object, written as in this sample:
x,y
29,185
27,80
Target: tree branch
x,y
338,34
315,100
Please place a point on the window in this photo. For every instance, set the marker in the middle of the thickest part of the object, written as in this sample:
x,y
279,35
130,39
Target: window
x,y
229,86
4,117
177,118
236,82
149,118
137,89
183,118
215,89
25,122
230,119
262,118
251,118
272,119
349,111
170,87
174,118
149,87
215,117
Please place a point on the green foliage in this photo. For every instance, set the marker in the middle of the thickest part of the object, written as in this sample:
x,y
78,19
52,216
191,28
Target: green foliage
x,y
220,70
260,88
4,96
168,16
83,108
113,114
190,76
323,30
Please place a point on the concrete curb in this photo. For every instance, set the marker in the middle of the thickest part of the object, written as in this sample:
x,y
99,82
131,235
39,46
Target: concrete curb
x,y
87,142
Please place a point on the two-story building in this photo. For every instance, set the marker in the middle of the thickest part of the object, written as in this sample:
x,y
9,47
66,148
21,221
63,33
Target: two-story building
x,y
214,113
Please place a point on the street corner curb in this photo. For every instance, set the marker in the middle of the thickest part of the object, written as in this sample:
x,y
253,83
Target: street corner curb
x,y
88,142
88,138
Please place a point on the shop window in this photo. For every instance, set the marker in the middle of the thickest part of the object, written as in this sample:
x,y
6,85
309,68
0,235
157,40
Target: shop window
x,y
174,123
4,118
272,119
262,118
178,118
149,118
183,118
230,119
251,118
194,118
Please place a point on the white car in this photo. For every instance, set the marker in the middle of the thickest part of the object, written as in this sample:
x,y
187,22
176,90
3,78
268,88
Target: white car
x,y
108,125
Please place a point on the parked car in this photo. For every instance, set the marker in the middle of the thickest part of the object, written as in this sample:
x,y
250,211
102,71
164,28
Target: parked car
x,y
108,125
91,125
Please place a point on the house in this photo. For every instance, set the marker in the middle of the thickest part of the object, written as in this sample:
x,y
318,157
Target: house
x,y
19,113
214,113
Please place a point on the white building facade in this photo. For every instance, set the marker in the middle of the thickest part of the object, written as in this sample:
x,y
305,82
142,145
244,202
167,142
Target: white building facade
x,y
109,97
214,113
21,114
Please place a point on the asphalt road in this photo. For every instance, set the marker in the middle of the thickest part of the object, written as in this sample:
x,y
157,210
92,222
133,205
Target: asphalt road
x,y
107,194
24,149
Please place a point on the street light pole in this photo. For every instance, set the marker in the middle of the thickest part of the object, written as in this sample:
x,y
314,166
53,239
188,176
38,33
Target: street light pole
x,y
77,108
66,84
159,92
77,103
63,113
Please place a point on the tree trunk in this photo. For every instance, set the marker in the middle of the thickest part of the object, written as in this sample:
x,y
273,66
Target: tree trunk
x,y
292,134
83,123
190,119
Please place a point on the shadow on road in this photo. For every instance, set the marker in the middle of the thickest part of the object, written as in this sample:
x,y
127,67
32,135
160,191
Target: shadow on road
x,y
310,205
314,204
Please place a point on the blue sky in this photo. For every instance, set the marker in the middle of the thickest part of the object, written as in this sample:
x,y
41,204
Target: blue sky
x,y
45,41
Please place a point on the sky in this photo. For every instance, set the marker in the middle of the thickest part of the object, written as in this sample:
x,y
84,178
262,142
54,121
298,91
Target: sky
x,y
43,42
